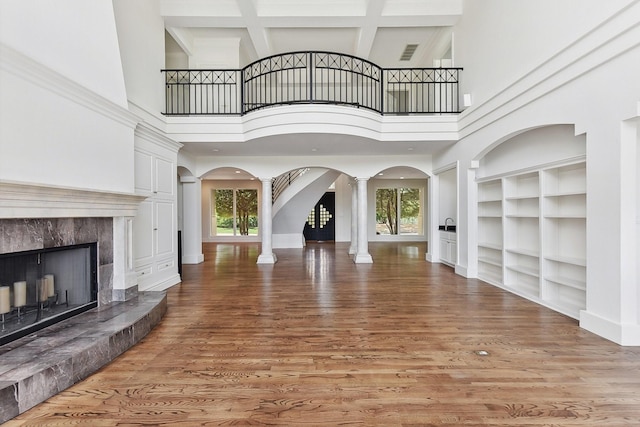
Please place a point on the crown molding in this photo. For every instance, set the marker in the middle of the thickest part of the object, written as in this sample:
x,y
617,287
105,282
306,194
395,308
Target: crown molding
x,y
40,75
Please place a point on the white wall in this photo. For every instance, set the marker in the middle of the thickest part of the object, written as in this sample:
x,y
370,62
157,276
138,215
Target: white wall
x,y
141,36
343,209
532,148
498,41
75,38
63,117
448,197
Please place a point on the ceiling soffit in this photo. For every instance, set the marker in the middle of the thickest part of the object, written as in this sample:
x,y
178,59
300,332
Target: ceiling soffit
x,y
377,30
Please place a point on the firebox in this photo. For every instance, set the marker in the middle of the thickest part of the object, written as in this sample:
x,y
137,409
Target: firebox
x,y
41,287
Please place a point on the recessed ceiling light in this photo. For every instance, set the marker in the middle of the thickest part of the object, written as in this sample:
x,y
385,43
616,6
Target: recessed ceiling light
x,y
402,177
481,352
380,174
215,150
237,171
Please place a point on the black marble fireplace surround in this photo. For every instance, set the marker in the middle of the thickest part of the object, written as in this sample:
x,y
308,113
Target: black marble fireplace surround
x,y
45,362
18,235
41,287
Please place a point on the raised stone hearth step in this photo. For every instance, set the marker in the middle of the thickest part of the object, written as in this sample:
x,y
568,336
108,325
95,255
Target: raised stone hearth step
x,y
42,364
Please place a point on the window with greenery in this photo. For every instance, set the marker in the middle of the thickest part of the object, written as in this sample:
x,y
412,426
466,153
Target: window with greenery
x,y
235,212
398,211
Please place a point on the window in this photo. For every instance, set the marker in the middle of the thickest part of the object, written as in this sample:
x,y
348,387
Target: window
x,y
398,211
235,212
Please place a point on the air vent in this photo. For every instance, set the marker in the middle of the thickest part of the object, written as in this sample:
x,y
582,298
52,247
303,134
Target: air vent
x,y
409,50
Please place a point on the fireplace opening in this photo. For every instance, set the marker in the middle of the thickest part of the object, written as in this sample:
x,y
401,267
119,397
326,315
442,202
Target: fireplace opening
x,y
41,287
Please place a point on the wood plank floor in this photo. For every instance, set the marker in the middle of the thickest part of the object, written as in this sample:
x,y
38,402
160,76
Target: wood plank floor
x,y
318,340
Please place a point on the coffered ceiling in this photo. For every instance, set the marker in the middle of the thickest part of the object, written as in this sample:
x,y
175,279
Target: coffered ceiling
x,y
377,30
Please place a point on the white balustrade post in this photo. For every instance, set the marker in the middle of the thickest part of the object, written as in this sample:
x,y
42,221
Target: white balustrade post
x,y
362,255
267,256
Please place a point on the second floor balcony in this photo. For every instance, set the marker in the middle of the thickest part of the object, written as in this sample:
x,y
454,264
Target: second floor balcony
x,y
312,78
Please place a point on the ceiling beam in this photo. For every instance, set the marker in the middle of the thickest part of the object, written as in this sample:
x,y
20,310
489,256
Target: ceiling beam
x,y
369,29
255,28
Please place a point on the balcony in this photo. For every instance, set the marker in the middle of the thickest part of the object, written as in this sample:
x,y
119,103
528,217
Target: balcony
x,y
312,78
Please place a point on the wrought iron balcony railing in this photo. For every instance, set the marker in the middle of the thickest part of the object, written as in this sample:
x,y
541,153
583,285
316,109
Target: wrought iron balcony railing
x,y
312,77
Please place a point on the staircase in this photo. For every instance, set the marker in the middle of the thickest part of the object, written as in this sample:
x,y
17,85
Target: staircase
x,y
296,197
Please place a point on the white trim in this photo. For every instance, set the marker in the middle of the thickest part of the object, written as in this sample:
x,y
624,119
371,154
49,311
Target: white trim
x,y
627,335
148,133
35,73
26,200
192,259
163,285
535,168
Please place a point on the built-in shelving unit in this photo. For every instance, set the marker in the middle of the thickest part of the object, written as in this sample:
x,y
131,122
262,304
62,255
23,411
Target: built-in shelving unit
x,y
490,242
532,235
564,209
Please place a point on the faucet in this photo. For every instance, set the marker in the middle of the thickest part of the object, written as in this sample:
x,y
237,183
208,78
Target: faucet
x,y
446,222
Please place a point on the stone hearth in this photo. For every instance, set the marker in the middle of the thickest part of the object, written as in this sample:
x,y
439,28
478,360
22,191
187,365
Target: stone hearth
x,y
40,365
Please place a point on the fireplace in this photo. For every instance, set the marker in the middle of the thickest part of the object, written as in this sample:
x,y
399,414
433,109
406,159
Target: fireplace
x,y
42,287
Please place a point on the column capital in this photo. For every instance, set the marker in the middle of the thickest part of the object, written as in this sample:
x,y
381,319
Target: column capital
x,y
189,179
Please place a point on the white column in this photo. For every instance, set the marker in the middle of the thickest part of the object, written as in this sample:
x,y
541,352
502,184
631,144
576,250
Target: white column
x,y
267,256
433,235
362,255
353,248
191,220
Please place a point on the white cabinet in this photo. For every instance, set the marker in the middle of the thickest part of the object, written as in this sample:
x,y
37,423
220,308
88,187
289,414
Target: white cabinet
x,y
448,248
532,235
155,225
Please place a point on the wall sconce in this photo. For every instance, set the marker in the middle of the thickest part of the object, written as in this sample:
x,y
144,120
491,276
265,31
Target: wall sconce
x,y
466,100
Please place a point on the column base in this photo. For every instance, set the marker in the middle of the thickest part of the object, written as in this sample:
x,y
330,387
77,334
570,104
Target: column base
x,y
267,258
363,259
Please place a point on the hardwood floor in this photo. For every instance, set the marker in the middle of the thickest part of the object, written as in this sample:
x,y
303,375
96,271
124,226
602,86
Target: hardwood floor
x,y
318,340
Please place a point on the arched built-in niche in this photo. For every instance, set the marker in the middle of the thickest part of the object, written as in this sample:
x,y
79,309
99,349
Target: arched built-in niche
x,y
532,217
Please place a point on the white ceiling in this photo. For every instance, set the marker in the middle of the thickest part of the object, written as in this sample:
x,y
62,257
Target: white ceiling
x,y
377,30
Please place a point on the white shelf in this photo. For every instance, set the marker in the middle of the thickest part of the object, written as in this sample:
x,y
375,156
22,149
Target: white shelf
x,y
488,245
566,260
527,252
566,193
522,216
491,261
490,216
566,281
525,270
490,200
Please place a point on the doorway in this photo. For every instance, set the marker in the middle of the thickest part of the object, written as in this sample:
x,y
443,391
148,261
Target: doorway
x,y
321,224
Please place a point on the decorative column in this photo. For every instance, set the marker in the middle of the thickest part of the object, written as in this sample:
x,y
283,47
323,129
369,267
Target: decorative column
x,y
124,286
362,255
267,256
353,248
192,220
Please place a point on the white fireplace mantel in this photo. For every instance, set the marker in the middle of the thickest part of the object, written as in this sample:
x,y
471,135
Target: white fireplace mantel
x,y
27,200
